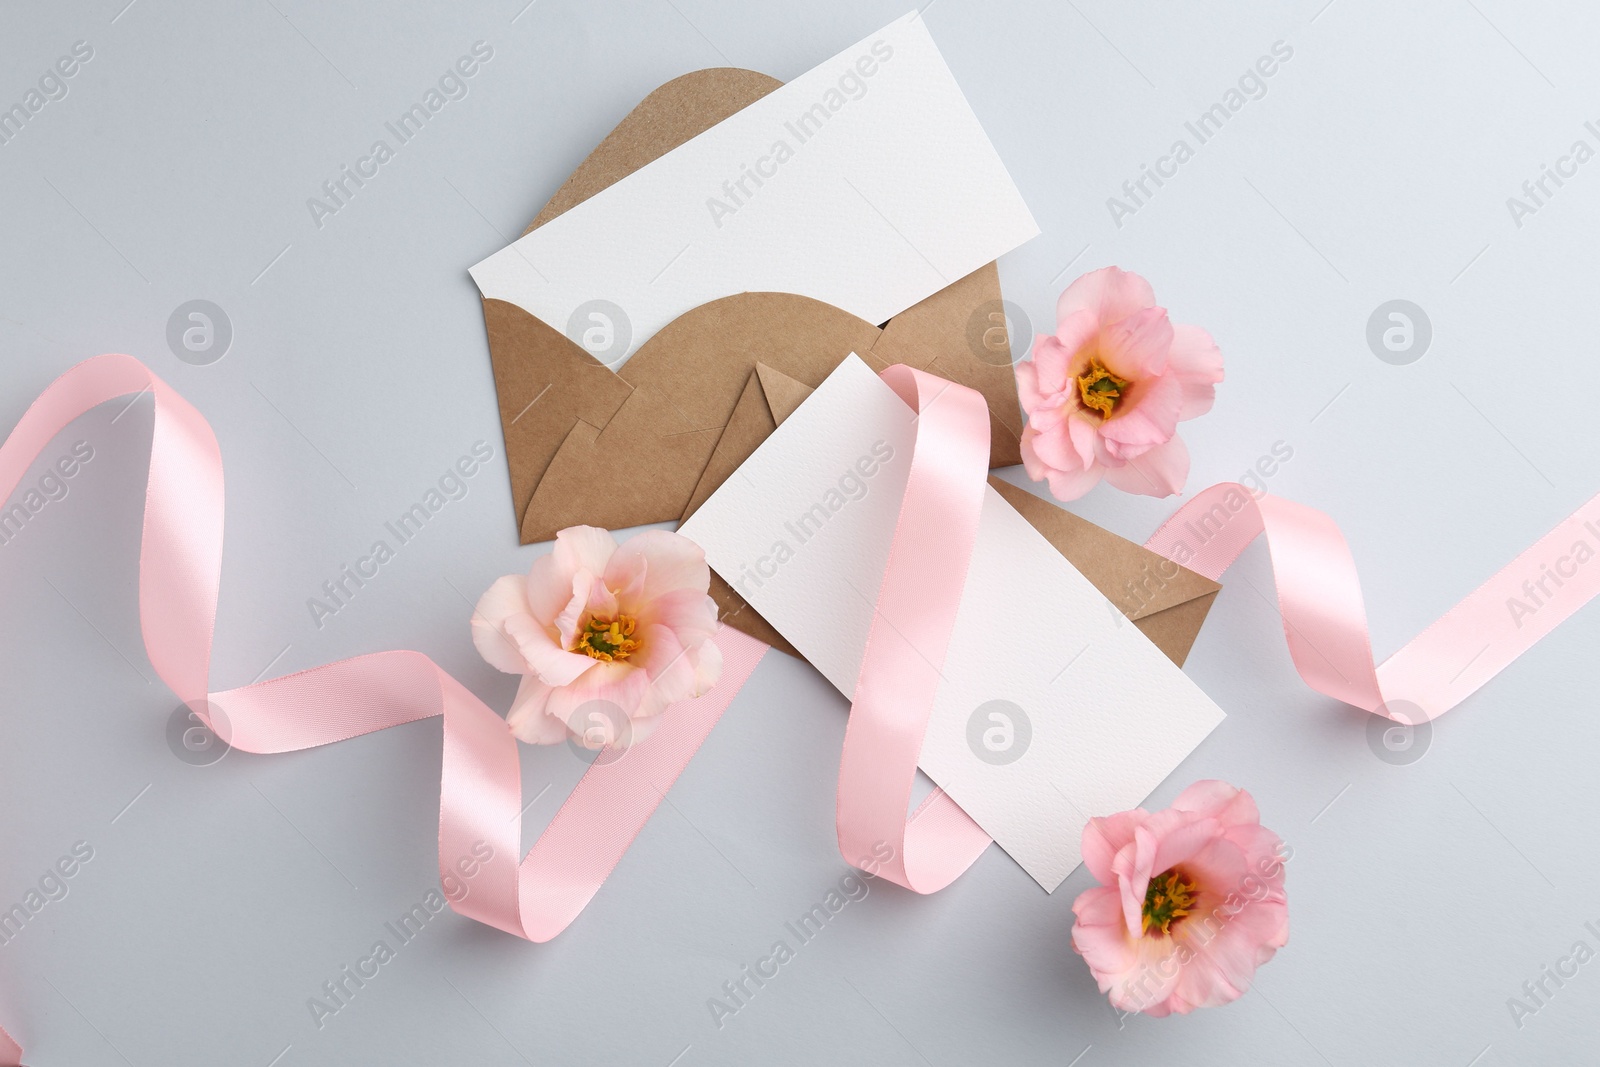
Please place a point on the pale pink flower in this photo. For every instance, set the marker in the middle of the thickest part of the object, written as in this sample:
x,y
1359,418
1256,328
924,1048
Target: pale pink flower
x,y
1104,394
605,636
1191,901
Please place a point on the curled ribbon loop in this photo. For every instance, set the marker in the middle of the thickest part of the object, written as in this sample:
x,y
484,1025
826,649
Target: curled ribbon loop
x,y
180,564
1325,621
906,645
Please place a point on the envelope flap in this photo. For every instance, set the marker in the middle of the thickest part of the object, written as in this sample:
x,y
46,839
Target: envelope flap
x,y
749,425
545,390
683,386
959,333
1138,581
563,411
783,393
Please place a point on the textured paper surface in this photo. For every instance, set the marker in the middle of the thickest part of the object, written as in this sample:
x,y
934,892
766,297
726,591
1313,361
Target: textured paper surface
x,y
1110,715
1168,603
693,403
868,191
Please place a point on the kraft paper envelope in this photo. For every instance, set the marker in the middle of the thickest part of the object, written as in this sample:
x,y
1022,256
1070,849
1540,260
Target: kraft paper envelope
x,y
681,413
1168,603
1050,707
587,444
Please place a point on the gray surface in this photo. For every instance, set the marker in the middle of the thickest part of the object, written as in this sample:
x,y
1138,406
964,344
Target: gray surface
x,y
1376,167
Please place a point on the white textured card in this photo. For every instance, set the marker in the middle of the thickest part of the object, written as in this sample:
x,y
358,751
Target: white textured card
x,y
1054,707
866,183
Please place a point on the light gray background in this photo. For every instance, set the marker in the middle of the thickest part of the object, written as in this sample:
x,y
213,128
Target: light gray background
x,y
1376,167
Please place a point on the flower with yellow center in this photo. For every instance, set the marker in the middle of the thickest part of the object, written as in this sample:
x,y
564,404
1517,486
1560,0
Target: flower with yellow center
x,y
629,628
1190,902
1100,389
1169,898
608,639
1105,393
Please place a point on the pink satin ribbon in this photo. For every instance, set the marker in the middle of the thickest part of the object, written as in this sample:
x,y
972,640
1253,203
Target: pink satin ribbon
x,y
1319,595
180,565
1325,621
480,791
906,645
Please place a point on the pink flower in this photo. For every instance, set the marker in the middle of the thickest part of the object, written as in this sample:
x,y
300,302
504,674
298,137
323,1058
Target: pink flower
x,y
1105,394
1190,903
604,636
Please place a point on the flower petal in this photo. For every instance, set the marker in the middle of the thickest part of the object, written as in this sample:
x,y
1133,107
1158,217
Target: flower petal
x,y
1074,334
1219,868
1147,985
553,664
1132,867
601,600
1223,966
1204,983
1104,837
1056,361
1056,413
625,577
668,666
1070,485
584,549
1029,394
1100,937
504,599
707,661
1036,468
527,718
1137,347
1264,850
1159,472
1147,418
1055,449
605,694
670,562
1179,837
1048,363
1228,804
1196,361
688,613
1109,294
570,617
548,587
1084,429
1064,484
568,622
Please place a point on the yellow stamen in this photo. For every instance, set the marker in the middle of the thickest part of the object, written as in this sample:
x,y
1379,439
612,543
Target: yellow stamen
x,y
1168,899
608,639
1100,389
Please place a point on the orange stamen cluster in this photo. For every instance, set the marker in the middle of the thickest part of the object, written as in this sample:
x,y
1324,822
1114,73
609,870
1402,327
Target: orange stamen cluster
x,y
1099,389
1167,900
608,639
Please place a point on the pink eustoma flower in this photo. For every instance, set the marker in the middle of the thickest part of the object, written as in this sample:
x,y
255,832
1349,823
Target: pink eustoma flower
x,y
1191,901
605,636
1105,393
